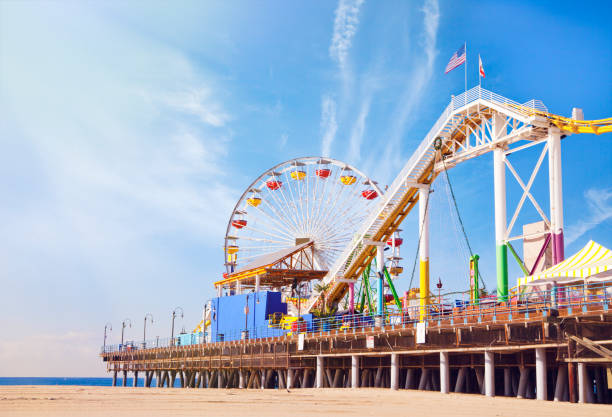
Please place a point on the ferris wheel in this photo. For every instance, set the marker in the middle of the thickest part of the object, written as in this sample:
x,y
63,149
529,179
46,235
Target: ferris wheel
x,y
305,199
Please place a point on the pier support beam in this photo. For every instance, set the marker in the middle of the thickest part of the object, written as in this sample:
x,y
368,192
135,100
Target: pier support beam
x,y
424,379
460,380
489,373
320,372
114,378
585,389
561,383
541,385
290,374
354,371
135,382
423,252
394,371
522,388
507,382
124,381
241,378
444,373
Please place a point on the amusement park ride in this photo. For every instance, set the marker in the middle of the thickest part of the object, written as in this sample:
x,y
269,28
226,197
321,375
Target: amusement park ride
x,y
320,220
309,237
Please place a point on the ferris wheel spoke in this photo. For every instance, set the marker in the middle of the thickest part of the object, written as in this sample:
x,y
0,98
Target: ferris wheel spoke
x,y
288,238
295,212
328,216
287,224
323,216
261,239
333,180
286,205
280,227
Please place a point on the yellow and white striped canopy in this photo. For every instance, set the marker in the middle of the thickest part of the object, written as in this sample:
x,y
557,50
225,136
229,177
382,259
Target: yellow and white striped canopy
x,y
593,261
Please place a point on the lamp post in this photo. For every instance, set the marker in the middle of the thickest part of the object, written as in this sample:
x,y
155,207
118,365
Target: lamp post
x,y
439,285
123,326
109,327
144,332
173,317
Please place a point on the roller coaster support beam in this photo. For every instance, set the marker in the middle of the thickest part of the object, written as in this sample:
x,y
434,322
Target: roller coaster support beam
x,y
556,194
423,252
380,286
380,265
499,180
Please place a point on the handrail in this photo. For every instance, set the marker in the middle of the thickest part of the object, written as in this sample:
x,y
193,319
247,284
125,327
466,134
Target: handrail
x,y
567,299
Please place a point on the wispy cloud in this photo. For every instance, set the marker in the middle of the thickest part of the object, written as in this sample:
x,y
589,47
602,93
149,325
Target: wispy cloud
x,y
329,126
345,27
414,90
354,154
599,203
198,101
346,24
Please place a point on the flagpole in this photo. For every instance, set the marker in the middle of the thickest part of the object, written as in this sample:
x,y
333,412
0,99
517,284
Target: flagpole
x,y
479,70
466,63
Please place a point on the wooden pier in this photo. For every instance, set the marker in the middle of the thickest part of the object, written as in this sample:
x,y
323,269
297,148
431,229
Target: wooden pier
x,y
555,354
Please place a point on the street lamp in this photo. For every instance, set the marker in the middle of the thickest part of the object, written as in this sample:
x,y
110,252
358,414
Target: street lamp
x,y
144,332
173,317
439,285
123,326
109,327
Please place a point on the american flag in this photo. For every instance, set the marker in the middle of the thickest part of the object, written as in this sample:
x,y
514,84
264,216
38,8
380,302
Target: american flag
x,y
457,59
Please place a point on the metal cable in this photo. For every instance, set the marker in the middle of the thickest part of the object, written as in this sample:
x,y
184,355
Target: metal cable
x,y
450,186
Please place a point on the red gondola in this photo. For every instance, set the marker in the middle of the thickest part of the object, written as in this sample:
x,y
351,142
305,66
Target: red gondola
x,y
239,223
398,241
323,173
274,185
369,194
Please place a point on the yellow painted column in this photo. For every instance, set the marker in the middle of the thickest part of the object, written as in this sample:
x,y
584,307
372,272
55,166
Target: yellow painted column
x,y
423,252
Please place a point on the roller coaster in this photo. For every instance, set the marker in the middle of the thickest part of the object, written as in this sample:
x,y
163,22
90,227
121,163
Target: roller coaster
x,y
346,230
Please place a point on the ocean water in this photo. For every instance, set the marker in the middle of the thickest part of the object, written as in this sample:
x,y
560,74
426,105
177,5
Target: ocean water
x,y
91,382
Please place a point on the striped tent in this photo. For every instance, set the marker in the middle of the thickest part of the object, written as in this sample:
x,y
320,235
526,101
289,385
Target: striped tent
x,y
591,263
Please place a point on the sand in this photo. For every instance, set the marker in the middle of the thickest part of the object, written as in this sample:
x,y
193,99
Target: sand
x,y
108,401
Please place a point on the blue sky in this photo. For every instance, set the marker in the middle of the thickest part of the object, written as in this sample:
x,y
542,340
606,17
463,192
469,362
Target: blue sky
x,y
129,130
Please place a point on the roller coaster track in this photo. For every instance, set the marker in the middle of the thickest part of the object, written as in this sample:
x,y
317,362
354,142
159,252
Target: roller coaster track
x,y
464,131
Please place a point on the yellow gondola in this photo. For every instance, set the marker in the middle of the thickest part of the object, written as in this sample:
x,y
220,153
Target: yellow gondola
x,y
254,201
231,249
298,175
396,270
348,179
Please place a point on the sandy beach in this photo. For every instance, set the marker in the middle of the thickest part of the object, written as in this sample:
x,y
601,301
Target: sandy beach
x,y
107,401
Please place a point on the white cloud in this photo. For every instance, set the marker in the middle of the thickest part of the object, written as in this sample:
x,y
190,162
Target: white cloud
x,y
197,101
345,27
599,203
354,154
329,126
413,93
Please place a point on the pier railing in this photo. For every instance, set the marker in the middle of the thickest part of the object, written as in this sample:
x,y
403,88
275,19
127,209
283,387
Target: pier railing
x,y
529,304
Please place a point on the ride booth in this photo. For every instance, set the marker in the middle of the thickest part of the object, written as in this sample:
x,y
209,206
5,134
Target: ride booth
x,y
246,316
